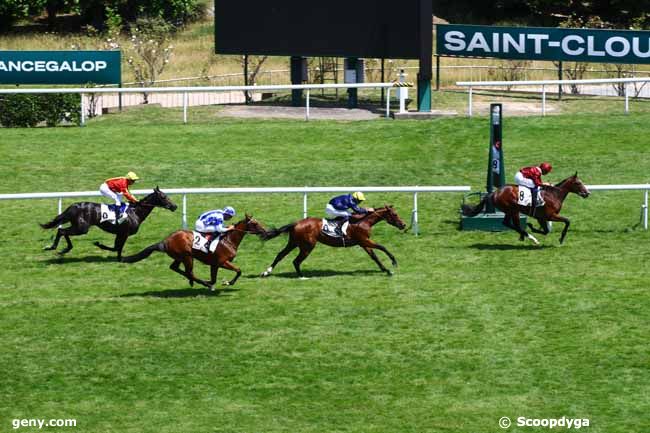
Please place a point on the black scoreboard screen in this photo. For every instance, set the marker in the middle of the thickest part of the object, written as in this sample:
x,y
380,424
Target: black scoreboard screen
x,y
332,28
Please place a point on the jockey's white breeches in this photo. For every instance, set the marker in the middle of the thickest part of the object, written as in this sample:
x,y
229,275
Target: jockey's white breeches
x,y
106,192
333,212
523,181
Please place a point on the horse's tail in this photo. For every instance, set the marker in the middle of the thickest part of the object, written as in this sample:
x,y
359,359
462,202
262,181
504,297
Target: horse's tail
x,y
273,233
471,211
62,218
160,246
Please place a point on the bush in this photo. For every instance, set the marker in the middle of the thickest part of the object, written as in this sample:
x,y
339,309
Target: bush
x,y
30,110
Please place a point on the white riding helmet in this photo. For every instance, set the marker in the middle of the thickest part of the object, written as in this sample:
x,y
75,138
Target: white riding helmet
x,y
229,210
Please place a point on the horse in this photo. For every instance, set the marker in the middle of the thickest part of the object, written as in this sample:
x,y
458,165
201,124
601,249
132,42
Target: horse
x,y
505,199
83,215
304,234
178,246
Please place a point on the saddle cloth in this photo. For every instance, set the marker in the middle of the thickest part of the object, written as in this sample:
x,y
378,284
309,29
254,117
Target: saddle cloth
x,y
525,196
200,243
108,212
329,228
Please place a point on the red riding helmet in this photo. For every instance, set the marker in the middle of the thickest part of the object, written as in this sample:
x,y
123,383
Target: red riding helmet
x,y
546,167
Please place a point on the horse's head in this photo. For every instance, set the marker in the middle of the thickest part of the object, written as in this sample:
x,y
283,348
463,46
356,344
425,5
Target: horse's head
x,y
251,225
576,186
160,199
390,215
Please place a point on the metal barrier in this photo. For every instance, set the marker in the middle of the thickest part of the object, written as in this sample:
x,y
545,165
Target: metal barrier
x,y
186,90
298,190
471,84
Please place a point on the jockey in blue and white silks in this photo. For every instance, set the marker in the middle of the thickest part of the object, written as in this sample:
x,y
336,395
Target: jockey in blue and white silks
x,y
213,221
338,206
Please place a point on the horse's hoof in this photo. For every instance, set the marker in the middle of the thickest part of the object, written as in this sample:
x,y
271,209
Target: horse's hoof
x,y
48,248
191,283
226,283
389,273
264,274
303,278
395,264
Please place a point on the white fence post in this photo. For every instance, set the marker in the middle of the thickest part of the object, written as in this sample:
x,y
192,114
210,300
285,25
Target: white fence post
x,y
469,110
627,99
83,110
388,102
414,216
645,209
543,100
307,106
184,217
304,205
61,207
185,107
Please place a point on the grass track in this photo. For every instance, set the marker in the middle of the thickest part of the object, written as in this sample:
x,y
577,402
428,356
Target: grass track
x,y
472,327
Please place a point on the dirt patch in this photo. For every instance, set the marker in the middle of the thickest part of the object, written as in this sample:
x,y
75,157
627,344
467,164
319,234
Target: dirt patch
x,y
512,108
281,112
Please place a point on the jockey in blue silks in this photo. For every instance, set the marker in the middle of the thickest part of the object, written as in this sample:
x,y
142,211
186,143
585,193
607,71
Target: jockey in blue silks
x,y
211,223
337,207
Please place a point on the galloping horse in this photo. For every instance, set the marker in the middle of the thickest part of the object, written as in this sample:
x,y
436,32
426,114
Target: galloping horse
x,y
304,234
83,215
505,199
178,246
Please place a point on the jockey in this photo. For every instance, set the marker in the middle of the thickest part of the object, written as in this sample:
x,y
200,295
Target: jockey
x,y
337,208
114,188
211,222
531,177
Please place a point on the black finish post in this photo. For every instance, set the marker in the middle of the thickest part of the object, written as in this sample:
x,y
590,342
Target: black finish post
x,y
426,52
296,78
496,176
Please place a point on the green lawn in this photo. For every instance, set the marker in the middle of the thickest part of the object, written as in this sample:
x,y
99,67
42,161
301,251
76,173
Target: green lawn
x,y
472,327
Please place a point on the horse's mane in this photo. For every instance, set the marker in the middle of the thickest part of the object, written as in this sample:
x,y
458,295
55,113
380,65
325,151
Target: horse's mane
x,y
370,213
559,184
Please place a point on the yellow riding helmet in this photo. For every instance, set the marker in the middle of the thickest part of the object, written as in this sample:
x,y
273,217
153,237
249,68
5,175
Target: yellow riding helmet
x,y
132,176
358,196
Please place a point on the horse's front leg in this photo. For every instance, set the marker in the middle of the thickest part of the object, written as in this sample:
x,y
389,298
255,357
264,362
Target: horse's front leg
x,y
372,244
228,265
567,223
544,227
120,240
374,257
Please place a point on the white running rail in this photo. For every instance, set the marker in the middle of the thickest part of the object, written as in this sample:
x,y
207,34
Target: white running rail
x,y
472,84
297,190
203,89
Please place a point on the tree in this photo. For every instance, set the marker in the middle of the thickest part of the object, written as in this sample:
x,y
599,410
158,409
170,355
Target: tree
x,y
149,52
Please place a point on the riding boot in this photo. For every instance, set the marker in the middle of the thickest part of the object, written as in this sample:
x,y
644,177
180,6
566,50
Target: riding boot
x,y
122,214
533,204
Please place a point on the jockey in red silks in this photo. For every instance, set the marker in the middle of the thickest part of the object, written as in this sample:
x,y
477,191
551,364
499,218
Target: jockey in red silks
x,y
117,187
531,177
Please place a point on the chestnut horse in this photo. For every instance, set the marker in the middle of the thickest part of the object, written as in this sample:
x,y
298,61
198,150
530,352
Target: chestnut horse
x,y
505,199
178,246
83,215
304,234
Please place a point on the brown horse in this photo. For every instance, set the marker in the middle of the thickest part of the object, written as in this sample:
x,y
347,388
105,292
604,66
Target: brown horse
x,y
505,199
304,234
178,246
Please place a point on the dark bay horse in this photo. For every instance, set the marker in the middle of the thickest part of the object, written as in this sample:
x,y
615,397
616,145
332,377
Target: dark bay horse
x,y
304,234
83,215
505,199
178,246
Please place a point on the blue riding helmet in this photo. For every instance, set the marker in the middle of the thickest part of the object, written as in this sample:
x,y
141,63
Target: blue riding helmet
x,y
229,210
